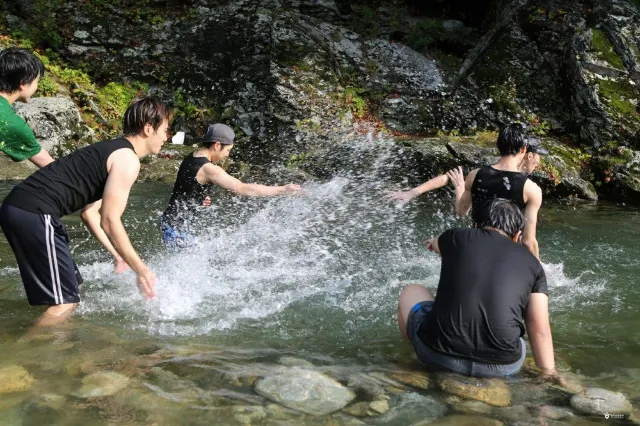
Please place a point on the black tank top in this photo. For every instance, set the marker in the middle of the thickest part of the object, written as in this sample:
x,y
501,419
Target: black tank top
x,y
69,183
187,192
491,183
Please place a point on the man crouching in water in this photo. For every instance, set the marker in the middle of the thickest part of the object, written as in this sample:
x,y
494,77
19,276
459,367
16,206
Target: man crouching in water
x,y
196,176
490,287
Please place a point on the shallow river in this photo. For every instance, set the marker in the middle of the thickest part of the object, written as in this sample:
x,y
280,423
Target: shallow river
x,y
314,277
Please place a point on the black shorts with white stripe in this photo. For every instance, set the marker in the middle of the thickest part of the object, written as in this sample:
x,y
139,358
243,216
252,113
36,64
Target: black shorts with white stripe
x,y
41,246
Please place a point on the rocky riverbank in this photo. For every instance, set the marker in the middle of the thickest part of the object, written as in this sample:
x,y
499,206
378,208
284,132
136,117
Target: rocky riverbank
x,y
296,79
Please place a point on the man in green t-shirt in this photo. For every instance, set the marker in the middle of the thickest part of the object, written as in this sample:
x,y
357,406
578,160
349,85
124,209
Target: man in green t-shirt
x,y
20,71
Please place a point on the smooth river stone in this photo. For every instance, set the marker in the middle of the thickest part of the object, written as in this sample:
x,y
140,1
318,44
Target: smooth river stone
x,y
104,383
411,408
14,379
415,379
600,401
304,390
490,391
466,420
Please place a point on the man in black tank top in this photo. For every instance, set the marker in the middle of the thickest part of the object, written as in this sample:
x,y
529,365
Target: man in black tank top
x,y
196,176
97,180
505,179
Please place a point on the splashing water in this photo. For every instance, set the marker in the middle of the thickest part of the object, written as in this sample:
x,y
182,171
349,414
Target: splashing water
x,y
339,249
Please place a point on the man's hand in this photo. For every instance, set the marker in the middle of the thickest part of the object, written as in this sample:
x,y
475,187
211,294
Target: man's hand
x,y
457,178
146,281
292,188
207,201
403,196
120,265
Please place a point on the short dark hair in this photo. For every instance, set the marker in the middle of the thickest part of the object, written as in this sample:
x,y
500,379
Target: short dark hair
x,y
18,67
511,139
142,111
503,215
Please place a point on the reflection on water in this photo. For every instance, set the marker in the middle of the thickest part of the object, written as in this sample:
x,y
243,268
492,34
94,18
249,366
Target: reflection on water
x,y
316,277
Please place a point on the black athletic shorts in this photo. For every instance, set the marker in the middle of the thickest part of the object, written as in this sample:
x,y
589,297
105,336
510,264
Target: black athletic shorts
x,y
41,246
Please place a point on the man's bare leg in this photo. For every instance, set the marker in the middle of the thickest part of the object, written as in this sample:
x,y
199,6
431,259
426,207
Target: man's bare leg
x,y
410,295
55,315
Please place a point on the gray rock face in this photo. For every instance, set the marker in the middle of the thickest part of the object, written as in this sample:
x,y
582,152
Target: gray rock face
x,y
411,408
56,123
600,401
304,390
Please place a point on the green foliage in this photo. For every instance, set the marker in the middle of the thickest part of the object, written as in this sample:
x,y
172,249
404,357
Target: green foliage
x,y
504,96
120,95
296,160
46,87
424,34
353,98
618,95
309,124
537,126
604,49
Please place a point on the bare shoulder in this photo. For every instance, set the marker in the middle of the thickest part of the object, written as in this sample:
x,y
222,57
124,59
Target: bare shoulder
x,y
123,157
532,188
211,169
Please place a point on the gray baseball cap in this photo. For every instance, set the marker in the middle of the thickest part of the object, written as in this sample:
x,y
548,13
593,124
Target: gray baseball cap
x,y
219,133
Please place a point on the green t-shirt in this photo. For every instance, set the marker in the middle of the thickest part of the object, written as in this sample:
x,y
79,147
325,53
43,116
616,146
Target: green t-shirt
x,y
16,138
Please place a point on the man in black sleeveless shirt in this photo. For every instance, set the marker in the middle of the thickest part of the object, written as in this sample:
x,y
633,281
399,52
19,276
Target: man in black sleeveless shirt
x,y
504,179
96,179
490,288
196,176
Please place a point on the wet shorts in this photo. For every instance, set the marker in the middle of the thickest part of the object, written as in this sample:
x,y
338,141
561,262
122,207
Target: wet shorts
x,y
175,239
418,314
41,246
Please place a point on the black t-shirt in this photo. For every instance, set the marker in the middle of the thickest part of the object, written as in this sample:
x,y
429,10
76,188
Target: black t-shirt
x,y
484,288
69,183
490,184
187,194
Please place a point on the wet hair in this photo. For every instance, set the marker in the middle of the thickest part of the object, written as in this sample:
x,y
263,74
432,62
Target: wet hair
x,y
143,111
512,139
503,215
18,67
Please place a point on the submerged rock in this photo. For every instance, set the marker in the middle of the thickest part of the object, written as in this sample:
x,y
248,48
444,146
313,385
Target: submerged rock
x,y
290,361
466,420
104,383
416,379
304,390
14,379
248,414
600,401
490,391
411,408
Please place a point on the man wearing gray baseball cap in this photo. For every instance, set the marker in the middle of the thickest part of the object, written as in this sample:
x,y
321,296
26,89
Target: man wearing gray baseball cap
x,y
196,176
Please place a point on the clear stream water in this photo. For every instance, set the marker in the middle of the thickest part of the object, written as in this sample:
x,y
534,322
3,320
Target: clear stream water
x,y
316,277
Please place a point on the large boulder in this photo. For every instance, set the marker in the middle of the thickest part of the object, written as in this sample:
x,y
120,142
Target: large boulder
x,y
56,123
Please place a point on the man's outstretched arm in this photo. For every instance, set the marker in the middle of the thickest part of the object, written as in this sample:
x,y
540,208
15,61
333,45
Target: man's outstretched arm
x,y
216,174
430,185
123,171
